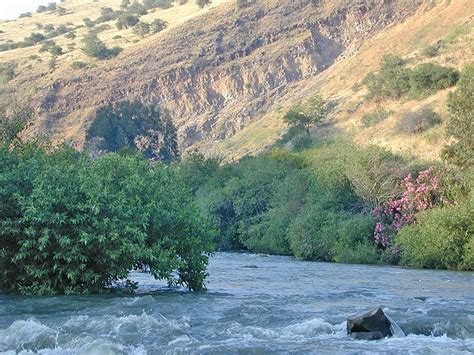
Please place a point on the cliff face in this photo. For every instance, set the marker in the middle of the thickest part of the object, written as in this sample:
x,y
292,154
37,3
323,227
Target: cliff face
x,y
216,73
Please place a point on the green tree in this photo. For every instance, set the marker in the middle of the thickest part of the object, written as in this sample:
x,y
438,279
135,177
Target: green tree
x,y
70,226
94,47
126,21
141,29
461,121
158,25
34,38
308,114
132,125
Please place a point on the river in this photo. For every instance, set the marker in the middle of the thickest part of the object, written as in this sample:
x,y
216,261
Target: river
x,y
254,304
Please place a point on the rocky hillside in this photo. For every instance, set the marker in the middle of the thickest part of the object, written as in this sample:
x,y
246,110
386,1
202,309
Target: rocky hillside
x,y
226,74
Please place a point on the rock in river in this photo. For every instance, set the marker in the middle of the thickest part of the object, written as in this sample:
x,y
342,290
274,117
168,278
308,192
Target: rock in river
x,y
371,325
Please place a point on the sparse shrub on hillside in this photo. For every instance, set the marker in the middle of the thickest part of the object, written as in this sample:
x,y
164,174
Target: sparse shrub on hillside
x,y
461,121
427,78
52,63
393,79
203,3
106,10
52,6
60,30
48,28
379,115
34,38
88,22
158,25
25,14
78,64
136,9
162,4
95,48
132,125
70,35
182,2
56,51
7,72
41,9
142,29
101,28
126,21
125,4
418,121
60,11
46,46
433,49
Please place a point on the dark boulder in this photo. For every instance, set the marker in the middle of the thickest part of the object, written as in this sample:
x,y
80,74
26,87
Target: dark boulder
x,y
374,323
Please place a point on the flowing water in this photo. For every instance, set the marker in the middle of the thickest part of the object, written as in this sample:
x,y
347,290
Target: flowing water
x,y
254,304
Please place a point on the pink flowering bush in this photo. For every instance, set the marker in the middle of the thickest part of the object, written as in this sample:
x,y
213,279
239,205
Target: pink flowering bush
x,y
425,192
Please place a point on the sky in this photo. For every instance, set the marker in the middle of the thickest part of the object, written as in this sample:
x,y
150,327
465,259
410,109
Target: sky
x,y
10,9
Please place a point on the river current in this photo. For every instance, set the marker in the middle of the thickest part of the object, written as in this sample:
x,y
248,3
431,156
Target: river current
x,y
254,304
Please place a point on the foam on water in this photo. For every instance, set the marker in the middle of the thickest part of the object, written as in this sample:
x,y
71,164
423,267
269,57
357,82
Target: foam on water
x,y
281,306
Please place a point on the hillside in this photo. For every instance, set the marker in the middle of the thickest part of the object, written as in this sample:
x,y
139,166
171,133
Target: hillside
x,y
227,75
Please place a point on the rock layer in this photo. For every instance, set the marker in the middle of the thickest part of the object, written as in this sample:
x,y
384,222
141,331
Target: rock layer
x,y
216,73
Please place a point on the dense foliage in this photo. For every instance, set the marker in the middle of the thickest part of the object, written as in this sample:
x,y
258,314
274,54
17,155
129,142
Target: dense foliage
x,y
71,225
95,48
132,125
442,238
301,204
395,79
461,122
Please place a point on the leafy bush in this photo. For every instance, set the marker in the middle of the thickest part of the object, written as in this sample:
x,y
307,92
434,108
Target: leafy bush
x,y
69,225
372,118
301,142
25,14
374,175
77,64
461,121
158,25
33,39
418,121
7,72
353,244
433,49
132,125
441,238
126,20
427,78
141,29
393,79
94,47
